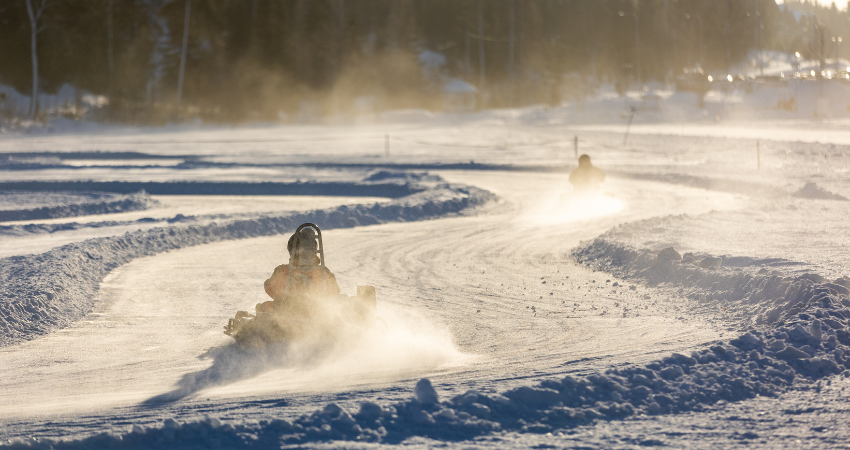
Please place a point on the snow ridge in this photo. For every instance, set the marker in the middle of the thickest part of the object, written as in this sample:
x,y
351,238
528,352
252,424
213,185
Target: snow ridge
x,y
349,189
40,293
47,228
134,202
813,191
804,343
759,299
754,364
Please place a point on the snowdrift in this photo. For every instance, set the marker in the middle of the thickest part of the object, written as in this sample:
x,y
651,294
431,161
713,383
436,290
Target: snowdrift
x,y
760,299
805,95
47,228
68,204
348,189
39,293
60,160
756,363
813,191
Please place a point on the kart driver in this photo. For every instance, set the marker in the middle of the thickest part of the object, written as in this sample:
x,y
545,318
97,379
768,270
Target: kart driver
x,y
586,178
302,277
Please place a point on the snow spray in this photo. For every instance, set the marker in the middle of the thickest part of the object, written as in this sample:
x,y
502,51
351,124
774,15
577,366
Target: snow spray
x,y
398,346
564,206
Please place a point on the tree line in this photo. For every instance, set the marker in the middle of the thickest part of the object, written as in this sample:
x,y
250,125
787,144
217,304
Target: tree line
x,y
236,60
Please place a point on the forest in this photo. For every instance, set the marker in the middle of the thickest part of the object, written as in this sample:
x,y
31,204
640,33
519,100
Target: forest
x,y
230,61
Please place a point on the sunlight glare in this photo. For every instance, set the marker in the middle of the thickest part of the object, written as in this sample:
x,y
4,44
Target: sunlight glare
x,y
568,207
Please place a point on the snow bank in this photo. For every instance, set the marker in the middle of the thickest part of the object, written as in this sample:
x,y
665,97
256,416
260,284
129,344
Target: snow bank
x,y
68,204
384,175
47,158
67,100
806,340
39,293
346,189
758,297
806,94
754,364
48,228
813,191
60,160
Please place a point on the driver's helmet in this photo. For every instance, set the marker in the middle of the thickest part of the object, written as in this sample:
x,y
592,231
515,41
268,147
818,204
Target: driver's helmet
x,y
303,247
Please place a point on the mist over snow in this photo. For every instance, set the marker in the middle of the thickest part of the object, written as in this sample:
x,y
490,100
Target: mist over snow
x,y
156,159
536,316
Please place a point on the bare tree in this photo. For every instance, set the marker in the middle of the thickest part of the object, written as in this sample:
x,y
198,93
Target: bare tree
x,y
511,40
821,47
183,53
637,41
481,68
35,15
299,38
111,49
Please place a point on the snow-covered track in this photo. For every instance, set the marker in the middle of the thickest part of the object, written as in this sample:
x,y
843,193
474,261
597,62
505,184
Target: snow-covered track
x,y
763,362
41,293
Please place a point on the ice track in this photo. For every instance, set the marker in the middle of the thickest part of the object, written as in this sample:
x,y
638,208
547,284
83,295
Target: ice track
x,y
488,301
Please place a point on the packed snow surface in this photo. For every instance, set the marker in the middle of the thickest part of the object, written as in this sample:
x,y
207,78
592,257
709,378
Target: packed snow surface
x,y
517,314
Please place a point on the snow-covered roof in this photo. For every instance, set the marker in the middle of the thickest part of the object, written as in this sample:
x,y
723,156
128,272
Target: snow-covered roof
x,y
432,60
457,86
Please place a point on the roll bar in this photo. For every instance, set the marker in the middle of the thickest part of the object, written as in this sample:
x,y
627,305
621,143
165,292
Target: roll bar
x,y
321,250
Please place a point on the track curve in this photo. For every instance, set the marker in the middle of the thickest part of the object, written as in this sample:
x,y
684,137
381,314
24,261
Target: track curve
x,y
485,301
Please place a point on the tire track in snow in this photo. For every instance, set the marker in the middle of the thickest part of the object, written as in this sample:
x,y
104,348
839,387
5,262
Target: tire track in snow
x,y
451,273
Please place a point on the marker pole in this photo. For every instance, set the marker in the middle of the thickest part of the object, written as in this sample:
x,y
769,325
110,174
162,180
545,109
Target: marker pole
x,y
629,125
575,145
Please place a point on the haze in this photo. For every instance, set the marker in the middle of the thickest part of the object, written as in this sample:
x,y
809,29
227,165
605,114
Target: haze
x,y
602,224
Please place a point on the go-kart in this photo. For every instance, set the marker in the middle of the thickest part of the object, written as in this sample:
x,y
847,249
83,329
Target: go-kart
x,y
300,316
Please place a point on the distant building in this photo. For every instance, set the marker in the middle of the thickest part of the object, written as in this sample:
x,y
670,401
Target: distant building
x,y
432,63
458,96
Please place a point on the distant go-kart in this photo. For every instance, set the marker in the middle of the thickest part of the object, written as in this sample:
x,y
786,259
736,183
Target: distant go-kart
x,y
303,317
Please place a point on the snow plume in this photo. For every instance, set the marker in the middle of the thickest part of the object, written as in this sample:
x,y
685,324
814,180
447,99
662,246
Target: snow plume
x,y
808,345
398,345
584,208
565,206
807,341
754,364
391,80
337,354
